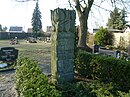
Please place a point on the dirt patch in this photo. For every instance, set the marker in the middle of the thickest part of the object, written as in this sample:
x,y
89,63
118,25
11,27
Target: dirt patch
x,y
7,84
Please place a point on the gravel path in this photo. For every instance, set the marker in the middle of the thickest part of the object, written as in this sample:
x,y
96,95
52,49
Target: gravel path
x,y
7,84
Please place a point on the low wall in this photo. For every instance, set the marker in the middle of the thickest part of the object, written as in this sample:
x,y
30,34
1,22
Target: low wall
x,y
121,39
10,35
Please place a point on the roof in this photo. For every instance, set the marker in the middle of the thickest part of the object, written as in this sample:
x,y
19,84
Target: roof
x,y
15,29
49,29
29,30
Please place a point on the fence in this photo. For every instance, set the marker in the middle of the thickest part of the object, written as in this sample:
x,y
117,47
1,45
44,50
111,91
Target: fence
x,y
10,35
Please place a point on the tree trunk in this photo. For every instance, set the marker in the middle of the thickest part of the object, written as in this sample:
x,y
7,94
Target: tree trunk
x,y
36,35
83,31
83,13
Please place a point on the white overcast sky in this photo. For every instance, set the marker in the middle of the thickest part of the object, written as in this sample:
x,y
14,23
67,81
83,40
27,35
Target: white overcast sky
x,y
20,13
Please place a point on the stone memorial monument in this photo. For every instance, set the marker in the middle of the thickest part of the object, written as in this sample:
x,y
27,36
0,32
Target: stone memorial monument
x,y
62,45
8,54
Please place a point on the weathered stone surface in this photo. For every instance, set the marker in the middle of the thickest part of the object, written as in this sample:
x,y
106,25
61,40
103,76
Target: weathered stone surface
x,y
8,54
62,77
63,20
62,45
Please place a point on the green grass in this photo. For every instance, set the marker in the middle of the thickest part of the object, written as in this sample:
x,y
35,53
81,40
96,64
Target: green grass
x,y
39,51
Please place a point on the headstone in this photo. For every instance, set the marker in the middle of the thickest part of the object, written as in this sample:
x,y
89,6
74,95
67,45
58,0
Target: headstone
x,y
117,54
16,40
62,44
8,54
12,42
95,48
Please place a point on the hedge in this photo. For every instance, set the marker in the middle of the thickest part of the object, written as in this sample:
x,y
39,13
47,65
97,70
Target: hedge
x,y
103,68
31,82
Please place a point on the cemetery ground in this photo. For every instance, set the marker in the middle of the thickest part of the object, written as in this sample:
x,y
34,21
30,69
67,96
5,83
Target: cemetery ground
x,y
106,68
39,51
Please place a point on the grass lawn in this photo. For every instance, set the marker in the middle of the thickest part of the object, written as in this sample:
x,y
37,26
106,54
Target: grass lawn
x,y
39,51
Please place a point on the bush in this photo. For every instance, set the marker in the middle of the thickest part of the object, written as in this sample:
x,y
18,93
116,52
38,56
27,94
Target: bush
x,y
100,89
82,63
104,68
76,89
103,37
31,82
91,89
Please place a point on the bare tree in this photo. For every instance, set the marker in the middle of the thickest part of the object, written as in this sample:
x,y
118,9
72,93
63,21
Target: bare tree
x,y
83,14
83,8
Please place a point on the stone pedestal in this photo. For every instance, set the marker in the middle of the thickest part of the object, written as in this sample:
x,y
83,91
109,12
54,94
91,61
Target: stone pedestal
x,y
62,45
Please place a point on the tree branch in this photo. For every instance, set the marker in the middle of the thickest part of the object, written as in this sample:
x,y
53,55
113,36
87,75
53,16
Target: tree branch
x,y
70,4
88,8
83,1
124,4
107,9
25,0
102,8
77,6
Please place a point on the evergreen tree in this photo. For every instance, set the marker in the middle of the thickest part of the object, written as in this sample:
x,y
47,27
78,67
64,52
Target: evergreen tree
x,y
117,19
4,29
123,18
112,21
0,27
36,20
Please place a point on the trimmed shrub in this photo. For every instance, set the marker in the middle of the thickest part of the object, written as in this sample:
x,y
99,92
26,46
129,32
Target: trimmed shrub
x,y
100,89
31,82
77,89
91,89
82,63
104,68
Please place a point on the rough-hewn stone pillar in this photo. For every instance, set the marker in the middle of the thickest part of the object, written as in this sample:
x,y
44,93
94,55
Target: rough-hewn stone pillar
x,y
62,45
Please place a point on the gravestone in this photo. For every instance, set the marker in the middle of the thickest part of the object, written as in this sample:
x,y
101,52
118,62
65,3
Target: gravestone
x,y
8,54
62,45
117,54
95,48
